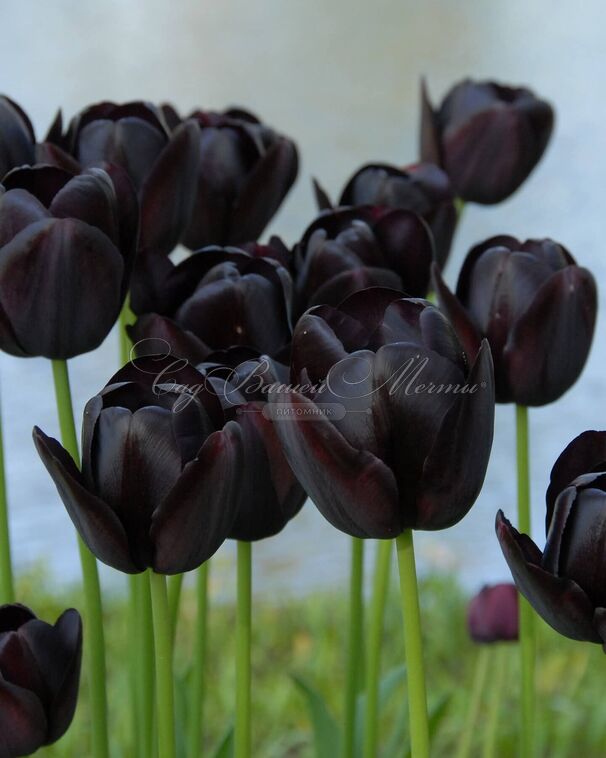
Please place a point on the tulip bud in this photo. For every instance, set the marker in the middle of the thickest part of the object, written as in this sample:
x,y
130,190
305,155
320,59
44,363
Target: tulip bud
x,y
39,678
390,427
67,245
535,306
566,582
350,249
492,615
159,485
17,140
487,137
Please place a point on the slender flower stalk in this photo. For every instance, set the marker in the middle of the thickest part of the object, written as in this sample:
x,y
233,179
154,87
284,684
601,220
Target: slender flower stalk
x,y
164,667
7,594
145,665
93,618
527,642
196,702
413,643
354,644
175,586
242,735
132,620
375,634
475,699
494,703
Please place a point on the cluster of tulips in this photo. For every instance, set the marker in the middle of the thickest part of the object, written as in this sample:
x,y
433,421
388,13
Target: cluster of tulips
x,y
256,374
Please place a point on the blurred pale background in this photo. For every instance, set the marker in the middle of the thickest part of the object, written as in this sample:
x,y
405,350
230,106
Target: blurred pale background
x,y
342,79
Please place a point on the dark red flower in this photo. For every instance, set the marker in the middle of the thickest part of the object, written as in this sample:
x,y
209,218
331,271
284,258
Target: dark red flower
x,y
535,306
39,678
492,615
17,139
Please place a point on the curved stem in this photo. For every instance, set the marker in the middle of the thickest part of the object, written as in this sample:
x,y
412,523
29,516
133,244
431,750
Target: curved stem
x,y
494,704
175,585
475,698
93,623
354,645
7,592
242,734
196,714
375,638
527,642
164,667
413,643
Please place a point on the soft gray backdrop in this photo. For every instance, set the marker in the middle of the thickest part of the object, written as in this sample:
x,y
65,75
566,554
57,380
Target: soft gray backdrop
x,y
342,79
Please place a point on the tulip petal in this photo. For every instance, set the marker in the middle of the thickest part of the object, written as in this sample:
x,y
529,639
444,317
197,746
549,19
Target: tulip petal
x,y
454,470
43,182
548,346
18,209
355,491
95,521
199,512
323,201
457,315
429,137
18,664
152,334
346,283
22,720
58,652
169,190
559,601
14,615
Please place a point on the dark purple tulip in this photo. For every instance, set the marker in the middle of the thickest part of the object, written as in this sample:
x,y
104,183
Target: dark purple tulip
x,y
215,299
492,615
423,189
159,485
163,165
390,428
350,249
486,136
67,245
271,493
246,170
39,678
17,140
535,306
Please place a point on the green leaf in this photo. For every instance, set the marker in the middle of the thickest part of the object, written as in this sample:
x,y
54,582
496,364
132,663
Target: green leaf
x,y
387,686
327,735
399,743
225,748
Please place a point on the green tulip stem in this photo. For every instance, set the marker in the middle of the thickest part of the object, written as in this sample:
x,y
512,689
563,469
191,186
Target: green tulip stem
x,y
413,644
527,642
475,700
7,592
93,613
165,698
354,645
145,665
127,317
196,700
459,204
375,640
242,734
132,622
494,703
175,586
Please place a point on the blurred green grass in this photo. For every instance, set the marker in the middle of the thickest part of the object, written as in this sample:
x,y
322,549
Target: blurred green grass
x,y
304,637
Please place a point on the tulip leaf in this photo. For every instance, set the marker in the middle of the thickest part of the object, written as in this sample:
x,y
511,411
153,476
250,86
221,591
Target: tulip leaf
x,y
225,748
399,743
327,735
387,686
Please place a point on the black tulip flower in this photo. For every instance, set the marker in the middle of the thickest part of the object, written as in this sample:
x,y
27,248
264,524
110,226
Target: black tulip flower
x,y
67,245
246,170
486,136
215,299
39,678
387,427
493,614
566,583
350,249
160,468
423,189
162,164
272,495
17,139
535,306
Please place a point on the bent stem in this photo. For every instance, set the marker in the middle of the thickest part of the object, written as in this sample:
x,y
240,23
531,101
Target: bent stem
x,y
494,703
93,625
196,713
7,592
477,690
164,667
354,645
242,734
413,644
375,634
526,613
